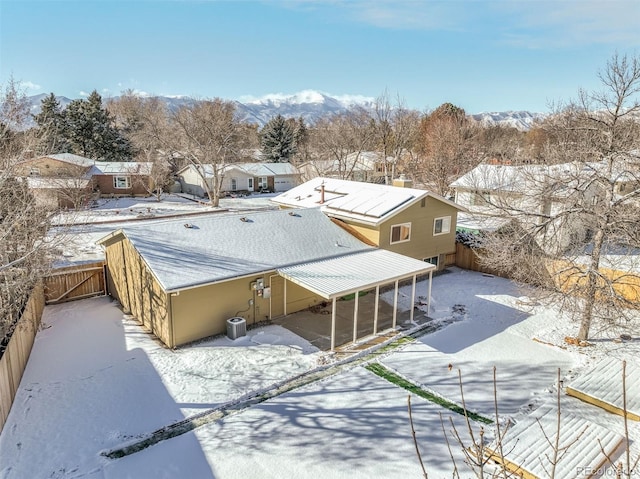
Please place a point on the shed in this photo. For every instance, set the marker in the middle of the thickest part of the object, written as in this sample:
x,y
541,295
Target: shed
x,y
601,386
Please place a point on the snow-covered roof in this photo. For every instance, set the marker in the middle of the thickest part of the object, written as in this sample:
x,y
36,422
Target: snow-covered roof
x,y
218,248
561,178
528,445
476,223
253,169
71,158
366,202
336,277
123,167
602,384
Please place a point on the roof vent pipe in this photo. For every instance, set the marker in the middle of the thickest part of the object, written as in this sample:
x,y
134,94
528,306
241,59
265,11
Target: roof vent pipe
x,y
322,193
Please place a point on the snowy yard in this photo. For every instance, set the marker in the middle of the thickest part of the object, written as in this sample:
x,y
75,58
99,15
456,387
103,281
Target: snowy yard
x,y
97,381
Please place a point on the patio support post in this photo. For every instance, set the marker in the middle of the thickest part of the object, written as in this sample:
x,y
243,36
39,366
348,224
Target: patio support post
x,y
333,325
285,296
355,316
413,298
375,313
395,306
429,294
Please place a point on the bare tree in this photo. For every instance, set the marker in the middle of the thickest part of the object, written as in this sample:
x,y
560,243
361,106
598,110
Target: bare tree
x,y
577,217
444,147
338,143
208,136
394,129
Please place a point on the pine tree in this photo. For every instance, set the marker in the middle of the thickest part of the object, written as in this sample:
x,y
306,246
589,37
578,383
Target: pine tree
x,y
51,125
91,132
278,140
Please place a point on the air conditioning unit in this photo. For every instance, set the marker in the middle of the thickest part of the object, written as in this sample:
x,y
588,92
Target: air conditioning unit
x,y
236,327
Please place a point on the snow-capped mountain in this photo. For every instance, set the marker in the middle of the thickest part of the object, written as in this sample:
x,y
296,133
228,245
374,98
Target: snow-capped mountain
x,y
522,120
312,105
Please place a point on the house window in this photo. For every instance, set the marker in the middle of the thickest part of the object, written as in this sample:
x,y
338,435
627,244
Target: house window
x,y
262,183
34,171
121,182
441,225
433,260
234,184
401,233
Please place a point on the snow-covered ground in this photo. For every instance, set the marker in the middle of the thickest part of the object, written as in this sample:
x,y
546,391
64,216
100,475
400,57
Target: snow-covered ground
x,y
96,381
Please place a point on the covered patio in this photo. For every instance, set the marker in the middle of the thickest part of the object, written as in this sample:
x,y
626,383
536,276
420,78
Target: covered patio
x,y
337,279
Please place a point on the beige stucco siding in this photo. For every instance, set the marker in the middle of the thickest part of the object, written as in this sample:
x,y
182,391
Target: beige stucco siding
x,y
202,312
299,298
137,289
371,233
423,243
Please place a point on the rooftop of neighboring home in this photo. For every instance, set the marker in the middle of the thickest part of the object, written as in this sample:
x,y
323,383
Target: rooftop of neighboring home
x,y
123,167
561,176
206,249
356,161
71,158
367,202
253,169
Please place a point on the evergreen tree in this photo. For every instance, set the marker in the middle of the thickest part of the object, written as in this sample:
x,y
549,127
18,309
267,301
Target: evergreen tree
x,y
278,140
51,126
91,132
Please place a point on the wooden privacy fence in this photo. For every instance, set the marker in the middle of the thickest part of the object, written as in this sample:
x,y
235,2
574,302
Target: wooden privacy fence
x,y
467,258
15,357
75,282
63,284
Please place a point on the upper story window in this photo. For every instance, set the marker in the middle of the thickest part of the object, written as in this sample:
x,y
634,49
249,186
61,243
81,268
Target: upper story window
x,y
121,182
400,233
35,171
441,225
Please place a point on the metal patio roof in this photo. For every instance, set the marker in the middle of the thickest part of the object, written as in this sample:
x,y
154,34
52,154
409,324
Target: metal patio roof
x,y
335,277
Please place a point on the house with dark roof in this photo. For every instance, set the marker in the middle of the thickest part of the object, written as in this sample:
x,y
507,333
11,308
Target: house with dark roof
x,y
408,221
183,279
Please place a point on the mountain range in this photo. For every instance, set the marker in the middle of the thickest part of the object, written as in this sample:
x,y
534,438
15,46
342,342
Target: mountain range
x,y
312,105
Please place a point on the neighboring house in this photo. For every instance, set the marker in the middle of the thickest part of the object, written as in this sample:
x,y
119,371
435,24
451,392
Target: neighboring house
x,y
122,178
240,177
408,221
496,194
184,280
69,181
364,166
62,180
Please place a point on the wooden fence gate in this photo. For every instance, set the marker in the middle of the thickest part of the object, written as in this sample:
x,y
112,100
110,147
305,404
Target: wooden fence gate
x,y
75,282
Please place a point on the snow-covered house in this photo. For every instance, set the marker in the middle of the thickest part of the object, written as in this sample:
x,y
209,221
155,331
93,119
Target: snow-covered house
x,y
69,180
408,221
120,178
240,177
357,166
495,194
184,280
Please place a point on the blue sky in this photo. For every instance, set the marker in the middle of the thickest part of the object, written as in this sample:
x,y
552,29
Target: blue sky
x,y
480,55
